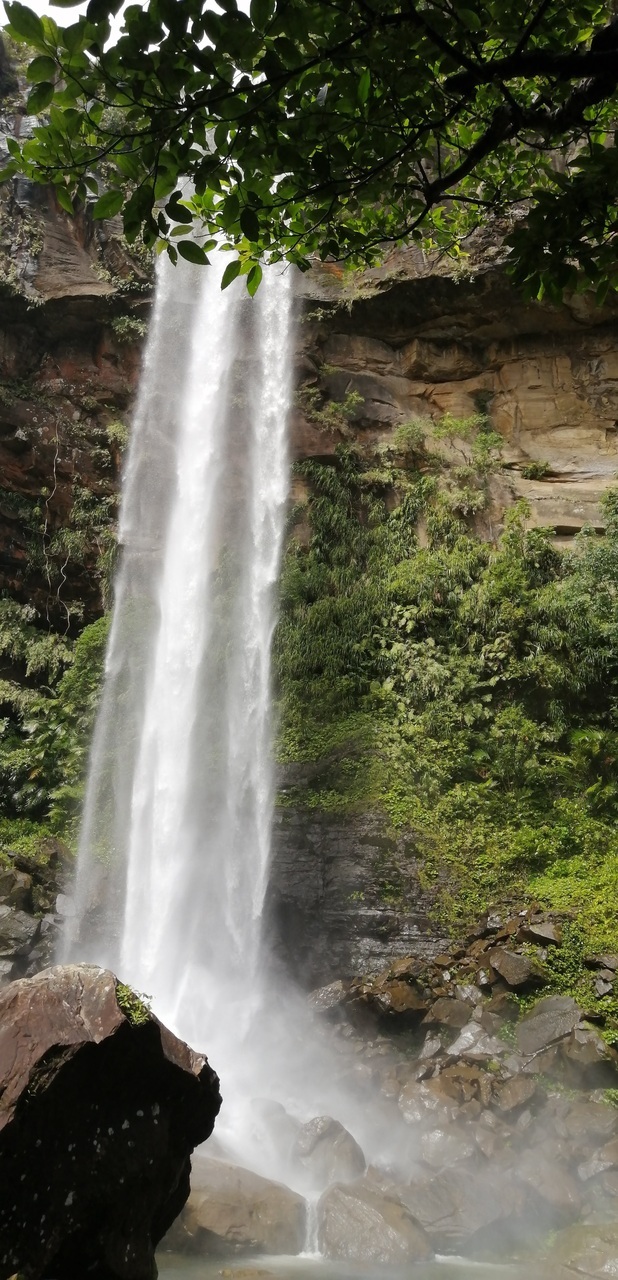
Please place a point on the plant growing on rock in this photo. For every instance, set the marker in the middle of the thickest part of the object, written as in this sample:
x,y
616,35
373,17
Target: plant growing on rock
x,y
333,415
459,687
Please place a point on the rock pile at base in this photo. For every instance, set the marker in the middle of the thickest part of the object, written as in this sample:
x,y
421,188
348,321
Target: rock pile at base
x,y
100,1108
508,1103
494,1096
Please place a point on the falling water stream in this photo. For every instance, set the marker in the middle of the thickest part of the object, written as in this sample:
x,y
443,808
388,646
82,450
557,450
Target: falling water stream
x,y
175,842
176,829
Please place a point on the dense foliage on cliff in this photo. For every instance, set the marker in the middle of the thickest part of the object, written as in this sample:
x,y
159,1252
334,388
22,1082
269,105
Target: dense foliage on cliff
x,y
48,711
293,120
460,687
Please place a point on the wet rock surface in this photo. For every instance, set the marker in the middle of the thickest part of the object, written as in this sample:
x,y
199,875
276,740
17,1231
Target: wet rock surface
x,y
233,1211
326,914
508,1105
363,1224
100,1108
328,1152
30,921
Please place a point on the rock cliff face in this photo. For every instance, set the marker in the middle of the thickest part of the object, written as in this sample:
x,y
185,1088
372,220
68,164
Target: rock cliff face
x,y
72,308
337,903
408,340
416,343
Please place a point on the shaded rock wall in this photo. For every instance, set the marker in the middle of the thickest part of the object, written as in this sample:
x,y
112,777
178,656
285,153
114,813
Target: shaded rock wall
x,y
345,896
73,301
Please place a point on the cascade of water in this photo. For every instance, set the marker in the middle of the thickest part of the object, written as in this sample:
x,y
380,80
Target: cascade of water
x,y
175,838
176,831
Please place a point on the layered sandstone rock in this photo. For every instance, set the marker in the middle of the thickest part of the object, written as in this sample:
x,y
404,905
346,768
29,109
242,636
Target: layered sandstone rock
x,y
413,341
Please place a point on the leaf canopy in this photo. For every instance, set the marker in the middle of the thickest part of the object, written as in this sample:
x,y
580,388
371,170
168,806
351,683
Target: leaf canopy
x,y
306,127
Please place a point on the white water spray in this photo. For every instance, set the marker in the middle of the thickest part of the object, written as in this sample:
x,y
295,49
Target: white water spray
x,y
176,831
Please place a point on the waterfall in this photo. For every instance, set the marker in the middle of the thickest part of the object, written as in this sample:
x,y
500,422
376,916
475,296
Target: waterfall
x,y
175,837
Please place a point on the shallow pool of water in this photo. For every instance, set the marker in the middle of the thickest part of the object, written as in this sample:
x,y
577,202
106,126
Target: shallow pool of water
x,y
306,1267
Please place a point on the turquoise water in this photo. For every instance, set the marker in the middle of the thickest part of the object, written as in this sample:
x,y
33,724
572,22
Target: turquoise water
x,y
175,1267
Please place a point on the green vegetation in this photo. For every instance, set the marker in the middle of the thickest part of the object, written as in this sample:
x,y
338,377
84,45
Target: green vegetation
x,y
48,702
128,328
332,129
536,470
463,689
134,1005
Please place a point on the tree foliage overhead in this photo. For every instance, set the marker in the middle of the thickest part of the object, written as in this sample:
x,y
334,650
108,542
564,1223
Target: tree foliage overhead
x,y
332,127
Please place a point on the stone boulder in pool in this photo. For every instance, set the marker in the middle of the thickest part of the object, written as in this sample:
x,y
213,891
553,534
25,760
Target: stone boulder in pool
x,y
234,1211
100,1109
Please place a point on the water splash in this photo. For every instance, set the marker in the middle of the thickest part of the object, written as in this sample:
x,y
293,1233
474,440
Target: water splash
x,y
174,849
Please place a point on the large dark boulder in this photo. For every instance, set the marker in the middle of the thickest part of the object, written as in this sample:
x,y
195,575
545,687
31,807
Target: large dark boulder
x,y
100,1108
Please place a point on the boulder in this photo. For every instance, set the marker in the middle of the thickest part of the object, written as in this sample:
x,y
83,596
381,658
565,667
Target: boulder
x,y
467,1082
442,1148
552,1185
363,1224
233,1211
328,1152
551,1019
474,1044
100,1108
602,962
588,1122
514,1093
15,888
18,932
543,932
325,999
448,1013
587,1250
604,1158
515,969
461,1207
422,1100
589,1060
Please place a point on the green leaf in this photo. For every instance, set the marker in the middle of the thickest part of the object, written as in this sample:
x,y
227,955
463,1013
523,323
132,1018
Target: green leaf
x,y
364,86
229,210
40,98
108,204
42,68
192,252
249,224
74,37
470,18
253,279
25,23
261,11
231,271
98,10
178,212
63,196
